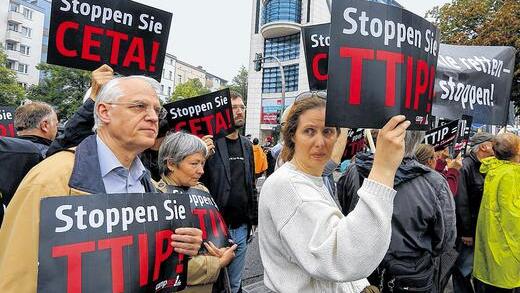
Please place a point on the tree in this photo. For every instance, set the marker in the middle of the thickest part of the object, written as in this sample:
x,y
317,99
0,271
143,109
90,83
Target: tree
x,y
482,23
239,82
11,92
61,87
188,89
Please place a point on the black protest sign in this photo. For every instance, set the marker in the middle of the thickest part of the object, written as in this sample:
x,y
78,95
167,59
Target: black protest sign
x,y
382,63
207,114
442,136
464,133
112,243
206,217
474,81
355,143
128,36
7,122
316,42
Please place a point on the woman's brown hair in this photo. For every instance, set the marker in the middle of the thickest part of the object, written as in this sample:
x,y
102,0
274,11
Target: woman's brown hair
x,y
424,153
290,126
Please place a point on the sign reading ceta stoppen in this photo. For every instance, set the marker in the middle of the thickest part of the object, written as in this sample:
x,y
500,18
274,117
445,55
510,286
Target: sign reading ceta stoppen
x,y
207,114
112,243
7,122
382,63
130,37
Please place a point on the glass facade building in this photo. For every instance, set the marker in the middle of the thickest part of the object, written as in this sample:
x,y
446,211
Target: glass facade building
x,y
272,79
281,10
284,48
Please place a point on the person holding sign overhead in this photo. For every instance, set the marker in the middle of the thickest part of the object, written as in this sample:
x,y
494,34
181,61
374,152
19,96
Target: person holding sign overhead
x,y
181,163
126,122
306,243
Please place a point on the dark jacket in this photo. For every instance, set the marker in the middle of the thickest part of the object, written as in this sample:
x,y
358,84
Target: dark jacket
x,y
77,128
17,157
217,176
469,196
40,142
424,213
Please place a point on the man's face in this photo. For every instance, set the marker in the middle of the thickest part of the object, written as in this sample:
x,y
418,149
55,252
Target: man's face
x,y
132,120
50,126
486,149
239,112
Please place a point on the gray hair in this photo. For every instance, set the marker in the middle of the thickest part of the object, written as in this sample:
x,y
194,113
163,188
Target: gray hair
x,y
412,141
111,92
31,114
176,147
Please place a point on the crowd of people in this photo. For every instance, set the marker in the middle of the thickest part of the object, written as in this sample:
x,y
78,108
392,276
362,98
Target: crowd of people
x,y
401,218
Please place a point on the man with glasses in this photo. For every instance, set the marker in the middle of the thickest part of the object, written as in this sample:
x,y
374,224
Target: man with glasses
x,y
229,176
126,117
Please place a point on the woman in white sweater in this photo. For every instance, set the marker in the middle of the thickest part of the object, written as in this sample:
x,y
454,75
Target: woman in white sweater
x,y
306,244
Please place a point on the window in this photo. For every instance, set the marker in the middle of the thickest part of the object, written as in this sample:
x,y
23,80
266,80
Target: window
x,y
22,68
282,10
24,49
27,13
285,48
15,7
12,26
10,45
171,75
272,81
26,32
162,88
179,78
169,91
10,64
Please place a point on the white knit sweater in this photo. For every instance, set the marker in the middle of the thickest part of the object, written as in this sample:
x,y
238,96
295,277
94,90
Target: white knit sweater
x,y
307,245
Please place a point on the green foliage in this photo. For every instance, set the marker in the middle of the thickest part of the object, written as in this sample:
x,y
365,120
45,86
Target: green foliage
x,y
239,83
11,93
61,87
189,89
482,23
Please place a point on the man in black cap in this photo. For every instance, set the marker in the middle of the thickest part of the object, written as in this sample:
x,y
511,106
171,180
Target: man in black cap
x,y
467,203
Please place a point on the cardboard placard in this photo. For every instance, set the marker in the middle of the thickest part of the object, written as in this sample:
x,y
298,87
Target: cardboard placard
x,y
7,122
129,36
442,136
112,243
355,143
207,114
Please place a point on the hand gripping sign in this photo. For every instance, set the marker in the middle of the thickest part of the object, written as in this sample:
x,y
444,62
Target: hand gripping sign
x,y
128,36
112,243
381,63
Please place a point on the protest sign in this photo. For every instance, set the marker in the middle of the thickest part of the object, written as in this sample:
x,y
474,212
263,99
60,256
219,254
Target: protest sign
x,y
128,36
7,122
355,143
206,217
207,114
474,81
112,243
464,133
442,136
316,42
382,63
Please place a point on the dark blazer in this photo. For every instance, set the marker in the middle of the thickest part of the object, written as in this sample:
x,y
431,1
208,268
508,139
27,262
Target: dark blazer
x,y
217,176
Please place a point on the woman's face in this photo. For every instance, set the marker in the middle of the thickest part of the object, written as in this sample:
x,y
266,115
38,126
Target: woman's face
x,y
313,141
188,171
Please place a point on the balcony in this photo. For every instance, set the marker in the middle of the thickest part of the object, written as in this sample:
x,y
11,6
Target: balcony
x,y
16,17
279,29
13,55
13,36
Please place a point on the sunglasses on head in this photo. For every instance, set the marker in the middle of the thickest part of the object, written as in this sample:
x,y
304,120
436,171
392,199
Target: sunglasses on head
x,y
307,95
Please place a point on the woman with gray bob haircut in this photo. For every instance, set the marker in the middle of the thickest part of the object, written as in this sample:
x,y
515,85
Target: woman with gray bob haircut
x,y
181,163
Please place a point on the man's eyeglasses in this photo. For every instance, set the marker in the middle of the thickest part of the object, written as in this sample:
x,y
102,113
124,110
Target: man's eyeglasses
x,y
142,107
241,107
306,95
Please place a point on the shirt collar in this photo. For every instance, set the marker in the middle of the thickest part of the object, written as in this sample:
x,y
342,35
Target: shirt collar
x,y
108,162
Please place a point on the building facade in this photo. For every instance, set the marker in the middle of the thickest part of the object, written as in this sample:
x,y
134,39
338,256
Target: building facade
x,y
21,35
276,31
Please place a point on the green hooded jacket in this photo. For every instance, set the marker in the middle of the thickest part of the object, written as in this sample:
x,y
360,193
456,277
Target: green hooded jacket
x,y
497,240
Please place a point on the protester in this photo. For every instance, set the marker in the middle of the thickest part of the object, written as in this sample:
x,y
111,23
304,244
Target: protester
x,y
229,176
306,244
497,237
126,116
467,203
423,221
181,163
260,159
36,122
425,155
17,157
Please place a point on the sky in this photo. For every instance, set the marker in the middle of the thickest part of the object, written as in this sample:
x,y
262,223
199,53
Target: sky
x,y
215,34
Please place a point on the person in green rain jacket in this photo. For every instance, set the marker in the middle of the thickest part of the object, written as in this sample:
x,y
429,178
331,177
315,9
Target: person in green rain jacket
x,y
497,240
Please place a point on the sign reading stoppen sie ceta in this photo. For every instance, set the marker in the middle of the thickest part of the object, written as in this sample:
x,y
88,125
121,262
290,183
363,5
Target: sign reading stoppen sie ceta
x,y
129,36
